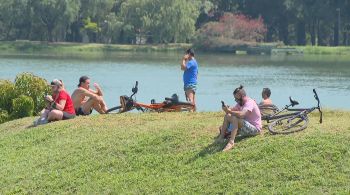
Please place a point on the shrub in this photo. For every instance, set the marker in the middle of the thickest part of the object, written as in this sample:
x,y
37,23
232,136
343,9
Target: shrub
x,y
32,86
231,30
4,116
23,106
8,93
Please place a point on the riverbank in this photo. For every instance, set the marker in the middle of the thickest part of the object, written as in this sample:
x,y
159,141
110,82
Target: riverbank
x,y
24,48
324,50
68,49
171,153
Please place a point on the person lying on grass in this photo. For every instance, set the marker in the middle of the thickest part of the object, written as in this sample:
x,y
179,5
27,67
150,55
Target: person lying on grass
x,y
59,105
86,99
244,119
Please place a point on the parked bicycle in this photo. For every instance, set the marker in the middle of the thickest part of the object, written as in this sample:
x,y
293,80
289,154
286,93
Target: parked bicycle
x,y
289,120
128,103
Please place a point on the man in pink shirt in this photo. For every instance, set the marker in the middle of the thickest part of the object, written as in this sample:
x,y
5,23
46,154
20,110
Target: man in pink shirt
x,y
244,119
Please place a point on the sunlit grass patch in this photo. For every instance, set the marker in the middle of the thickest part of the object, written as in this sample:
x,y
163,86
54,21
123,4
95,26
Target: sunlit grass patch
x,y
171,153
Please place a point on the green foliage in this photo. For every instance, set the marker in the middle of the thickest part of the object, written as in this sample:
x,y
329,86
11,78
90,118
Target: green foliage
x,y
164,21
8,93
171,153
169,21
33,86
90,26
4,116
23,106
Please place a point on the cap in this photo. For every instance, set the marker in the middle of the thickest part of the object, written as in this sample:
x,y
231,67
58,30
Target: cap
x,y
56,82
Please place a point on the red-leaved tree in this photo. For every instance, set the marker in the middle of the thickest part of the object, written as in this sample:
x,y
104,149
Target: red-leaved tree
x,y
231,29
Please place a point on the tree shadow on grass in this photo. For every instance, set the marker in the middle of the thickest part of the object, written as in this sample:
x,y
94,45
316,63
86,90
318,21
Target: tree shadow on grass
x,y
214,148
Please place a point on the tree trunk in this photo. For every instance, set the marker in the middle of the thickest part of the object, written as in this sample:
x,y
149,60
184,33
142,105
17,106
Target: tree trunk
x,y
345,38
283,32
320,40
301,34
269,34
336,34
313,32
49,33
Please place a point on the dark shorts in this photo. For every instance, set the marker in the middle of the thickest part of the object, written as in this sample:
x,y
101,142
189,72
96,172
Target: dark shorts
x,y
192,87
67,116
80,112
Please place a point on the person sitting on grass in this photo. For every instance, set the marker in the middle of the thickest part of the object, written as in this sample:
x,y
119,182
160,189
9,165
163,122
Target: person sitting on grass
x,y
266,106
244,118
266,93
59,105
86,99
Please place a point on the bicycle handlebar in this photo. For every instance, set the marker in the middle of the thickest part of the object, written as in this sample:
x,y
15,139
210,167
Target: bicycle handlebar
x,y
135,89
316,97
318,104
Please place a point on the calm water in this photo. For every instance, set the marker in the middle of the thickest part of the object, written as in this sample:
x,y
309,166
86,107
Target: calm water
x,y
159,76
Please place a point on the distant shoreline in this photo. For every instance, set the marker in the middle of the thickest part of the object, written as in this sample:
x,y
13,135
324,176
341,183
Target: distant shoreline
x,y
35,48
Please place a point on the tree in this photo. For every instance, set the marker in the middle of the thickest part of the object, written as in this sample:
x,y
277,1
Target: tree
x,y
54,13
15,19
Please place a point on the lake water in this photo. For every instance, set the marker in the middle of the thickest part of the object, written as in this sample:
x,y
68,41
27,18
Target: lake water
x,y
159,75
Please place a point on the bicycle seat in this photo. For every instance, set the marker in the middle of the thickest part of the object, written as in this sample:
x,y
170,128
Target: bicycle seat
x,y
174,98
293,102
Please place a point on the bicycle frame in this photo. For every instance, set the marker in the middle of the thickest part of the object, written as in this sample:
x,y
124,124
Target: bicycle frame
x,y
296,112
129,103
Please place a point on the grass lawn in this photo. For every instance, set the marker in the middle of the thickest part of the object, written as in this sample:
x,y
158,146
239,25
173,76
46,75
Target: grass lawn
x,y
171,153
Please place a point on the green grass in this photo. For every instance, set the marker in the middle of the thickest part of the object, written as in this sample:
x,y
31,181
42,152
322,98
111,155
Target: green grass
x,y
71,49
171,153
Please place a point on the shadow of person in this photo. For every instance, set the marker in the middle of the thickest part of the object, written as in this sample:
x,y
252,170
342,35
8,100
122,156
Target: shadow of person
x,y
215,147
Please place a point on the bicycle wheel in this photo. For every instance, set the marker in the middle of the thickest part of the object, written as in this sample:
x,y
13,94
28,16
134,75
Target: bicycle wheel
x,y
290,124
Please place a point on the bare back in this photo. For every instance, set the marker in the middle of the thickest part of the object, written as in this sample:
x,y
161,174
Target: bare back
x,y
79,98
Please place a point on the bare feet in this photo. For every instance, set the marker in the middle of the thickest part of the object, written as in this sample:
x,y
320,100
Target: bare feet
x,y
229,146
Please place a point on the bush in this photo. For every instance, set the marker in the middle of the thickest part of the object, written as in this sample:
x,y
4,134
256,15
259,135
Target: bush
x,y
23,106
231,30
4,116
32,86
8,93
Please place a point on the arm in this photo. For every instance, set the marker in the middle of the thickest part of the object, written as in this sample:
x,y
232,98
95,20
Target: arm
x,y
60,106
89,93
239,114
183,63
99,90
235,111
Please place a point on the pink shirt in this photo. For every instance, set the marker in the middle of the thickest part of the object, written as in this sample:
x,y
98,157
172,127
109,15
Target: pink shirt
x,y
253,116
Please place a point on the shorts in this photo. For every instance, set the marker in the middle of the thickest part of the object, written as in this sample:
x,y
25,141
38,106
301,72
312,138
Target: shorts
x,y
67,116
80,112
247,129
192,87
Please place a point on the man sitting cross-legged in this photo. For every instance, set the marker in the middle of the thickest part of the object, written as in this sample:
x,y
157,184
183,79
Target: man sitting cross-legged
x,y
244,119
86,99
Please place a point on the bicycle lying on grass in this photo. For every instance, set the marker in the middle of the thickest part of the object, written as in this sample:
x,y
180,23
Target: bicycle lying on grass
x,y
294,120
169,105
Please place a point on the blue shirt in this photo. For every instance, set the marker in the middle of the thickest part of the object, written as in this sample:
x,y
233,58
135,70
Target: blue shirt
x,y
191,72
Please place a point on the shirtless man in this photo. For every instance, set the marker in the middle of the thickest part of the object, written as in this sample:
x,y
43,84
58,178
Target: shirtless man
x,y
266,93
86,99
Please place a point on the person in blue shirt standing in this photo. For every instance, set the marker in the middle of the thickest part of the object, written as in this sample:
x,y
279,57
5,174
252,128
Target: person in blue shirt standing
x,y
190,67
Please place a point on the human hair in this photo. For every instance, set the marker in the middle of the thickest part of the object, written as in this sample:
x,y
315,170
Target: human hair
x,y
190,52
240,90
267,92
83,79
